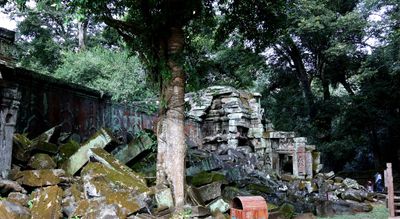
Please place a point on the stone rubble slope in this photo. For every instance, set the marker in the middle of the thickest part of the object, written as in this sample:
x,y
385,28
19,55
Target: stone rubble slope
x,y
55,177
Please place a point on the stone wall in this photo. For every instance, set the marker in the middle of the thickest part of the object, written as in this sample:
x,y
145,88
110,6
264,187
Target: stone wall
x,y
233,119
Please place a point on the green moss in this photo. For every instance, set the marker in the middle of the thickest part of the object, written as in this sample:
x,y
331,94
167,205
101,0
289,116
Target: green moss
x,y
287,210
69,148
378,212
206,178
119,178
257,189
22,140
272,207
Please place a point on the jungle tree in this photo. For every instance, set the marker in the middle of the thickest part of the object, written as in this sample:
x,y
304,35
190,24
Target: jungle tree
x,y
155,30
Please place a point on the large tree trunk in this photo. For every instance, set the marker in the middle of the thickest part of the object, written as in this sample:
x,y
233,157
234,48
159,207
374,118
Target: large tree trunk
x,y
295,55
82,34
170,133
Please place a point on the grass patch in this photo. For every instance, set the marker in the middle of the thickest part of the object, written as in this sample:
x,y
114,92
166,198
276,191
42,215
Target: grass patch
x,y
379,212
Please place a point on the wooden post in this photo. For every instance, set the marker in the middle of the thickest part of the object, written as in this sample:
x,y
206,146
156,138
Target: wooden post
x,y
390,191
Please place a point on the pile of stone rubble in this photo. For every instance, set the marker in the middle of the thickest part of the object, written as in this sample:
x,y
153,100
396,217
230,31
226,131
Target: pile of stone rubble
x,y
237,154
324,195
55,177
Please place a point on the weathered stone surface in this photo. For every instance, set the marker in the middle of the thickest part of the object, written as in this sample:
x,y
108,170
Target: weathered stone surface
x,y
352,194
207,164
19,198
199,211
21,147
120,188
101,139
68,149
288,177
47,203
231,192
142,216
164,198
7,186
10,99
210,191
97,208
72,195
11,210
260,188
41,161
109,161
128,152
280,134
331,208
218,205
38,178
351,183
204,178
46,147
50,135
338,179
287,210
329,175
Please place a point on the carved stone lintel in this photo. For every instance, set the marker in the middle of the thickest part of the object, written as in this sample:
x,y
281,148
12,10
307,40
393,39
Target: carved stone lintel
x,y
9,105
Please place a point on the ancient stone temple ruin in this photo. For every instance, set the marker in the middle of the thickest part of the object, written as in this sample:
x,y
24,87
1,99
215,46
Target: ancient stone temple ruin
x,y
233,119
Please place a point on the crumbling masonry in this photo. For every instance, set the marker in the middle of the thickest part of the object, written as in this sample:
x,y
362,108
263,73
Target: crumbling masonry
x,y
233,119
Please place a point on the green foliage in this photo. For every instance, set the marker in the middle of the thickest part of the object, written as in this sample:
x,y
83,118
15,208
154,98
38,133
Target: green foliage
x,y
113,72
30,203
310,59
378,212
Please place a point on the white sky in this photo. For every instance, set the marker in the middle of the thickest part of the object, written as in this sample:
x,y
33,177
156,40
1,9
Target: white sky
x,y
6,22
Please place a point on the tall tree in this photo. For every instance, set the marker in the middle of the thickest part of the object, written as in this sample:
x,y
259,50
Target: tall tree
x,y
155,30
312,37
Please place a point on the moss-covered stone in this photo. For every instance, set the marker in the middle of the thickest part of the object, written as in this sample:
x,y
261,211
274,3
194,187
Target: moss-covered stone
x,y
99,140
72,195
18,198
103,178
47,203
21,147
116,186
41,161
272,207
206,178
231,192
46,147
126,153
11,210
68,149
108,160
259,189
218,205
164,198
210,191
38,178
96,208
287,210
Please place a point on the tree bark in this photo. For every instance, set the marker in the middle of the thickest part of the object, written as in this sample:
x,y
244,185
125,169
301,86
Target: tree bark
x,y
170,131
325,83
347,86
295,55
82,34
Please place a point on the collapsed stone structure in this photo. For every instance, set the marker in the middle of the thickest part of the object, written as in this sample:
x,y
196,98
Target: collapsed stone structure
x,y
233,119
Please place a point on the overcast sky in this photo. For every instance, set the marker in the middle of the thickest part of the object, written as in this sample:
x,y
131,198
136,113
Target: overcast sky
x,y
6,22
